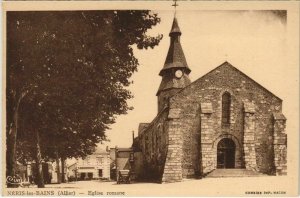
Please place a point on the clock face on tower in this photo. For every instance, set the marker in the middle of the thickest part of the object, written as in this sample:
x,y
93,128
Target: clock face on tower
x,y
178,73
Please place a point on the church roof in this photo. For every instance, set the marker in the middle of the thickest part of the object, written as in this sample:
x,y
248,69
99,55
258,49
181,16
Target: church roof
x,y
166,83
175,57
142,127
99,150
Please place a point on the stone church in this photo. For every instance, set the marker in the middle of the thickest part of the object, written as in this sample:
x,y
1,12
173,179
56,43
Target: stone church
x,y
223,120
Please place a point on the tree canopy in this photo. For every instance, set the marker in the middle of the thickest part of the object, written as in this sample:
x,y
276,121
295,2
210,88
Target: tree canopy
x,y
67,73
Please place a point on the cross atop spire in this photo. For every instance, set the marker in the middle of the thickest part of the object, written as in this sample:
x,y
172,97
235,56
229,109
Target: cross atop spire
x,y
175,5
175,72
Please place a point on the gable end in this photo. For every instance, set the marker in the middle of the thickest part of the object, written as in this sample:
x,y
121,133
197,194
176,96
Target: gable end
x,y
235,69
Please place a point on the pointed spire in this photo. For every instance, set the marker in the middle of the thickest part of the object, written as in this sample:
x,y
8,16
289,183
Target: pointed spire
x,y
175,57
175,72
175,28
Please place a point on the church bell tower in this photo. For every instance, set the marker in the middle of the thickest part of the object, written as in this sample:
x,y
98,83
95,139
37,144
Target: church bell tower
x,y
175,73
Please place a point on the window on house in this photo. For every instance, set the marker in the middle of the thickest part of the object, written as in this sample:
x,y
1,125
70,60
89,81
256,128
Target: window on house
x,y
226,100
99,160
88,160
100,173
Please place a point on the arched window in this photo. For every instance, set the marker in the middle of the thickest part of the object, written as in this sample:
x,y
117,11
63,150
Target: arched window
x,y
226,99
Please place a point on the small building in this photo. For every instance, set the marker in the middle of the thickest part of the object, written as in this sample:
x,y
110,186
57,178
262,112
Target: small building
x,y
94,166
123,159
112,154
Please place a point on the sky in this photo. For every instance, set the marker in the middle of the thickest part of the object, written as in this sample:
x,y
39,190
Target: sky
x,y
255,42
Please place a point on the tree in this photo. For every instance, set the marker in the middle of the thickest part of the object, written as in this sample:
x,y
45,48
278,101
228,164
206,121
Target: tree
x,y
67,74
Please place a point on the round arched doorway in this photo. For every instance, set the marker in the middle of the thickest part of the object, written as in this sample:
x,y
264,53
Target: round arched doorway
x,y
226,153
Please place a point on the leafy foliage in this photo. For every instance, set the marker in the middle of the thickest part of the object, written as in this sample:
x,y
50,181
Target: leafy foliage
x,y
74,67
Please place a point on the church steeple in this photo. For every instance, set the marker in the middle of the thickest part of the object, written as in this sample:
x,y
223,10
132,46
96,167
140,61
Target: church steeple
x,y
175,70
175,57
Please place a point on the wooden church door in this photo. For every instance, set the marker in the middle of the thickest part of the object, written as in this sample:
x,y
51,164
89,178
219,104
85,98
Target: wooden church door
x,y
226,154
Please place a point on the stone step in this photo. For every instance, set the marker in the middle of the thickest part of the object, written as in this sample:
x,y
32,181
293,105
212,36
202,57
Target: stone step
x,y
234,173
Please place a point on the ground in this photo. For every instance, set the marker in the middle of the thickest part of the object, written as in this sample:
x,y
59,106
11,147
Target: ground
x,y
263,185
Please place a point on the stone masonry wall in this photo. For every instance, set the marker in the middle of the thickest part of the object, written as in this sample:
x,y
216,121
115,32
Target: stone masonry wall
x,y
163,98
206,151
209,89
161,145
249,138
172,170
153,143
184,123
280,144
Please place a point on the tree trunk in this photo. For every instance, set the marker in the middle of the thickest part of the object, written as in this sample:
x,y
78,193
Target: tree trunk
x,y
11,139
10,154
57,167
63,170
40,176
